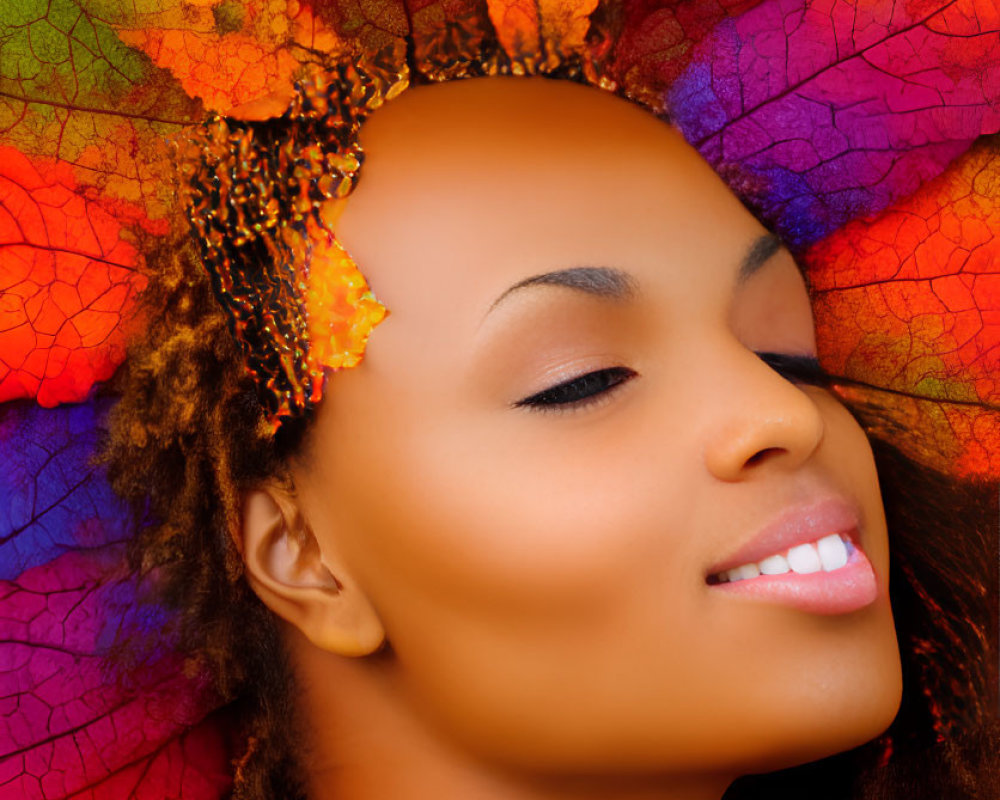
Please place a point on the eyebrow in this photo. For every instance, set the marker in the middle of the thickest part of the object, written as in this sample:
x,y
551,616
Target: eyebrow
x,y
606,282
615,284
757,256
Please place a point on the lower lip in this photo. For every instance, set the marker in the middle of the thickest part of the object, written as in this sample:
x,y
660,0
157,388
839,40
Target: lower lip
x,y
841,591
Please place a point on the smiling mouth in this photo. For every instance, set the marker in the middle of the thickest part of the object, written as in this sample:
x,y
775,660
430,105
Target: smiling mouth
x,y
829,575
825,554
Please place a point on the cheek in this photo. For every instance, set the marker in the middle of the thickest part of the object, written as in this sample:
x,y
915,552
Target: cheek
x,y
502,560
507,522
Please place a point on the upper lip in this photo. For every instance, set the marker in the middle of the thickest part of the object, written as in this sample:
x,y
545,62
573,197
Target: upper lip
x,y
793,526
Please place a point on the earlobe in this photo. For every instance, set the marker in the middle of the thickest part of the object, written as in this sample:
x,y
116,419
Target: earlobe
x,y
290,572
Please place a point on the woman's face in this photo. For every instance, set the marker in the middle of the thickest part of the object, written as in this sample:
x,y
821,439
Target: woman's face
x,y
539,560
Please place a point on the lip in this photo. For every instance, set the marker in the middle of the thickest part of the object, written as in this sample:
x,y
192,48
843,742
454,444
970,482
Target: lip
x,y
794,526
849,588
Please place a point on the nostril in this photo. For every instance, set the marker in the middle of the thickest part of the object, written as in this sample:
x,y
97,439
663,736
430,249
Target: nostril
x,y
760,455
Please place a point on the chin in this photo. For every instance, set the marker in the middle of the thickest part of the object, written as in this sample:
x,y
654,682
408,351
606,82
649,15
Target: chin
x,y
867,712
821,701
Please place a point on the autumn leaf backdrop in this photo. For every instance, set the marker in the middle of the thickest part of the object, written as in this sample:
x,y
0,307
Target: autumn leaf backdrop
x,y
864,131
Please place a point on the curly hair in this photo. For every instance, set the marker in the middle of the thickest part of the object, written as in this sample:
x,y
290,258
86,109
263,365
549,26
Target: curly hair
x,y
191,435
186,439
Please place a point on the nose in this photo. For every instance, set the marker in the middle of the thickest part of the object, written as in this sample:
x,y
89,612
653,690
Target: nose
x,y
759,419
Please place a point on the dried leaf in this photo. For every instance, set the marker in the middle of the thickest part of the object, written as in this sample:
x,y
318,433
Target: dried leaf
x,y
910,301
644,46
74,722
836,111
224,55
372,24
531,30
69,280
71,90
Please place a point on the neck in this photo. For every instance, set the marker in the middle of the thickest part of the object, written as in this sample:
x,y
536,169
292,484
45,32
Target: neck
x,y
368,743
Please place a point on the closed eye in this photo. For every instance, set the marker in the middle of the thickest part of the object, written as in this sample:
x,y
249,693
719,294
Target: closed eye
x,y
585,389
797,368
578,392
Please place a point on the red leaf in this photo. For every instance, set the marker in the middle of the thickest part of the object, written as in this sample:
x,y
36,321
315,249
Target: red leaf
x,y
910,301
68,280
72,724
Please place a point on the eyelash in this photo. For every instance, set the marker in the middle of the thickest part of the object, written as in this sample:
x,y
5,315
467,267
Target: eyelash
x,y
578,392
589,388
797,368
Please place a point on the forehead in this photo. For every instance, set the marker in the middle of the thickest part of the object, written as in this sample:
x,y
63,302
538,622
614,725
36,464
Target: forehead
x,y
476,184
513,138
505,118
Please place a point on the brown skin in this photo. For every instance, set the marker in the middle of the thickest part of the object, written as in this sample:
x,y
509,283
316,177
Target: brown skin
x,y
541,574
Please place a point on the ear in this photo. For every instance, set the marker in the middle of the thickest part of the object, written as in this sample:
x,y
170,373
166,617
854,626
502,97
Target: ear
x,y
298,581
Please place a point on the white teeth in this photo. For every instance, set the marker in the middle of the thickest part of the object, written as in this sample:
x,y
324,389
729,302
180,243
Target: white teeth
x,y
804,559
744,572
832,552
827,554
773,565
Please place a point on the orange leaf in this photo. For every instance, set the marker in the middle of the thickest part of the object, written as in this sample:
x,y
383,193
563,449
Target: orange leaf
x,y
68,280
910,301
222,71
